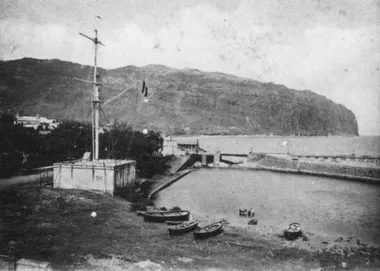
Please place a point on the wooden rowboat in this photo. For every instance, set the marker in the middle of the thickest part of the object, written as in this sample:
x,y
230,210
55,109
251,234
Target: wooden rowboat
x,y
183,227
293,232
208,231
165,216
173,223
140,213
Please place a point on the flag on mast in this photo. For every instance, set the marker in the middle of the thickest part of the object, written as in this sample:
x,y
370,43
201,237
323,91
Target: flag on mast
x,y
144,89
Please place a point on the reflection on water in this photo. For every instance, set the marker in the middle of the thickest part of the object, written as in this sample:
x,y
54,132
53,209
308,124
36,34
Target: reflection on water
x,y
324,206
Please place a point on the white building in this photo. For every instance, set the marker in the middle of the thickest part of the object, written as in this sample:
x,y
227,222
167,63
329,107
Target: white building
x,y
36,121
181,146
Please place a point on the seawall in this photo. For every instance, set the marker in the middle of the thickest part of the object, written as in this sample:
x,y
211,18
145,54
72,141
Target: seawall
x,y
285,163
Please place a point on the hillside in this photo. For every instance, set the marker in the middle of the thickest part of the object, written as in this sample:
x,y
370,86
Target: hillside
x,y
180,101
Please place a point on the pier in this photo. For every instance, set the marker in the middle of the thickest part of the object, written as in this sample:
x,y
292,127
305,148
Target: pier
x,y
341,158
170,181
365,160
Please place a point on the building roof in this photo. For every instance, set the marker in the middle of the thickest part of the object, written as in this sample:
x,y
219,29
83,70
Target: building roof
x,y
27,118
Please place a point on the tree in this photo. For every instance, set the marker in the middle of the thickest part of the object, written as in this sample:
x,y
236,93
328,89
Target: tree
x,y
26,148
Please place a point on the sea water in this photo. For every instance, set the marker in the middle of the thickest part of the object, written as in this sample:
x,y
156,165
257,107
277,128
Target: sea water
x,y
323,206
325,145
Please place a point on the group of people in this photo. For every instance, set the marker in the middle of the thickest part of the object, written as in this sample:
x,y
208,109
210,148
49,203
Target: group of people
x,y
246,212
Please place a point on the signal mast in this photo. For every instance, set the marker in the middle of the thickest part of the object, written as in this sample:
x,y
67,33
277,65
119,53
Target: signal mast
x,y
95,99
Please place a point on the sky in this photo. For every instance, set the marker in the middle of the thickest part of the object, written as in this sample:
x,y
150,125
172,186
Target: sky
x,y
331,47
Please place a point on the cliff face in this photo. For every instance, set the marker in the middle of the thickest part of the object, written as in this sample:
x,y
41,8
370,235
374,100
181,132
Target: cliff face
x,y
179,100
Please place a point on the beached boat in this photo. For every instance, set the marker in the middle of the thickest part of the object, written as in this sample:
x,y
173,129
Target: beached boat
x,y
173,223
165,216
208,231
140,213
293,232
183,227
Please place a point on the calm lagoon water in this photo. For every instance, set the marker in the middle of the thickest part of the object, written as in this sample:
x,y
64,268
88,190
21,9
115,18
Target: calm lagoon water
x,y
323,206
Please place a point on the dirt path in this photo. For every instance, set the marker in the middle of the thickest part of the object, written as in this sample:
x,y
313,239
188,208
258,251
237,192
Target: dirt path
x,y
17,180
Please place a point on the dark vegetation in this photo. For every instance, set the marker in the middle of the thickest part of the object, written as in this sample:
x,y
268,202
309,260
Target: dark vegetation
x,y
180,101
137,196
22,149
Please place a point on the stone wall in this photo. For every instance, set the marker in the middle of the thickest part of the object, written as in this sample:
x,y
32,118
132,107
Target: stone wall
x,y
334,168
319,168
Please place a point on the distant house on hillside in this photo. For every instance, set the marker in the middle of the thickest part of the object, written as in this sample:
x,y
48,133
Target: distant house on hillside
x,y
36,121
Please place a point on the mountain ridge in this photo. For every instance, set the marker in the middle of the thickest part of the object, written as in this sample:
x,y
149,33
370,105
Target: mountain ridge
x,y
180,100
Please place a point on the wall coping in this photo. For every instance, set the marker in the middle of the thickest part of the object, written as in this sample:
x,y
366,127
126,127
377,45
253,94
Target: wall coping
x,y
99,164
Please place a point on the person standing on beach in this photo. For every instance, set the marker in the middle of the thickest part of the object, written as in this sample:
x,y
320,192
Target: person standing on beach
x,y
250,212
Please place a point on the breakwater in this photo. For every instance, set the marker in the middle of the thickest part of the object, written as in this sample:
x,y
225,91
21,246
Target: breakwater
x,y
286,163
341,158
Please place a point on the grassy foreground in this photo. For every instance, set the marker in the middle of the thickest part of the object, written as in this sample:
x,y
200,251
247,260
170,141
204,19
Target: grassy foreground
x,y
56,226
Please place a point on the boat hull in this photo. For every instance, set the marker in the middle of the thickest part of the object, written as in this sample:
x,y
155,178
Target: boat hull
x,y
183,228
293,232
208,231
140,213
162,217
173,223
